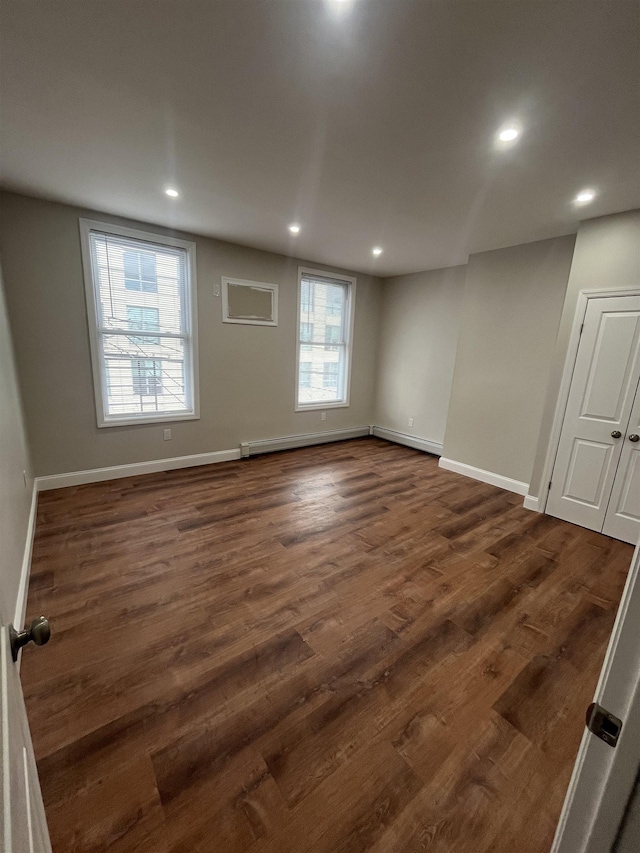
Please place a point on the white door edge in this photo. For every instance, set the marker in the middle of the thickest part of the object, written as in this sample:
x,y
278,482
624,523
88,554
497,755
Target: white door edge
x,y
603,777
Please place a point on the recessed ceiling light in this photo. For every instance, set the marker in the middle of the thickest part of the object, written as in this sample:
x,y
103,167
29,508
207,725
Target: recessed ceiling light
x,y
508,134
377,250
584,197
295,229
171,192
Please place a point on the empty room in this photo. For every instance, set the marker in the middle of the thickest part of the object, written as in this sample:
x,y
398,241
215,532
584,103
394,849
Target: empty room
x,y
319,426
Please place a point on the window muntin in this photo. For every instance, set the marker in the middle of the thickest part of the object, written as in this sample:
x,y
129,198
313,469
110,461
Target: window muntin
x,y
140,271
324,333
146,318
137,285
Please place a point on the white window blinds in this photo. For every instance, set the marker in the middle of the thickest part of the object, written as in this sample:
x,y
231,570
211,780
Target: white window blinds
x,y
324,340
143,328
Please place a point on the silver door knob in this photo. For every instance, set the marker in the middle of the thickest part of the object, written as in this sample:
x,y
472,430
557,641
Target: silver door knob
x,y
39,632
634,437
616,433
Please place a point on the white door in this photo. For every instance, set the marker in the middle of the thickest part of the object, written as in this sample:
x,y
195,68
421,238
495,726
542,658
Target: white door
x,y
23,823
594,429
622,520
603,776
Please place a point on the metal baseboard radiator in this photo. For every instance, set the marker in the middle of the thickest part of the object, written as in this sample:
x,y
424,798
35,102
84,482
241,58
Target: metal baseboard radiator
x,y
289,442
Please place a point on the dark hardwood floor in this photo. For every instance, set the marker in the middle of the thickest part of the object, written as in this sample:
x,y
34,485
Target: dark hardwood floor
x,y
337,649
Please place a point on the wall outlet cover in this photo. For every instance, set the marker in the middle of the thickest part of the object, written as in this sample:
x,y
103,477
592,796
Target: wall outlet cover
x,y
166,434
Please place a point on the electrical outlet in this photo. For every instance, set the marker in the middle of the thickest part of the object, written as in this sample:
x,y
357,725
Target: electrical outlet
x,y
166,434
410,421
216,290
323,416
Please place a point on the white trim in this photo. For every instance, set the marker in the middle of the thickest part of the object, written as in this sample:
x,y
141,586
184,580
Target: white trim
x,y
507,483
97,475
257,285
531,502
408,440
567,375
25,571
348,350
191,353
290,442
603,778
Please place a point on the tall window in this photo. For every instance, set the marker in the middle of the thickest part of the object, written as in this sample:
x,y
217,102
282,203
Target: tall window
x,y
141,300
324,339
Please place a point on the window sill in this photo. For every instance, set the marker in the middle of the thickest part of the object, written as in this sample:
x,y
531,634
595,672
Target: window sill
x,y
310,407
164,418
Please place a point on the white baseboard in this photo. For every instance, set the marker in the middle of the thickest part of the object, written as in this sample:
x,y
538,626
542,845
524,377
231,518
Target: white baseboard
x,y
507,483
290,442
25,571
408,440
531,502
97,475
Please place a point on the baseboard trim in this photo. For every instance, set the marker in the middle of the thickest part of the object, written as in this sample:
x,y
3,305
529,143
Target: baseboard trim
x,y
507,483
531,502
291,442
116,472
25,571
408,440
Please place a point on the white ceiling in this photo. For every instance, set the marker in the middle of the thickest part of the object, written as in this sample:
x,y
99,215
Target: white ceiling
x,y
367,121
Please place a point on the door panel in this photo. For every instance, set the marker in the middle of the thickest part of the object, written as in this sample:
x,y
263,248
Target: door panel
x,y
622,520
610,368
602,391
588,471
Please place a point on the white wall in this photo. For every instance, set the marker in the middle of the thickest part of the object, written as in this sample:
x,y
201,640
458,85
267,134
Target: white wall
x,y
606,257
512,305
15,495
420,319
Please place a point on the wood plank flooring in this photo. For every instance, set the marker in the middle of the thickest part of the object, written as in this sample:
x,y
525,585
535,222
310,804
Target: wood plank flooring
x,y
337,649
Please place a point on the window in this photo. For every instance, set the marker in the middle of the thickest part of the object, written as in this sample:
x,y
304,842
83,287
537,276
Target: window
x,y
306,334
332,335
306,297
148,319
147,376
330,374
306,368
140,271
141,302
325,332
334,302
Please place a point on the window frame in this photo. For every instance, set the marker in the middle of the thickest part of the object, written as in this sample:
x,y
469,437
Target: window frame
x,y
349,325
191,325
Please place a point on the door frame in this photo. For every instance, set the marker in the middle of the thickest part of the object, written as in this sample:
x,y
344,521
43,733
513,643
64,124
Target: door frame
x,y
565,384
603,778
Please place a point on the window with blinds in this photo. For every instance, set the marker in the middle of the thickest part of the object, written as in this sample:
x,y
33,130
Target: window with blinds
x,y
325,330
141,301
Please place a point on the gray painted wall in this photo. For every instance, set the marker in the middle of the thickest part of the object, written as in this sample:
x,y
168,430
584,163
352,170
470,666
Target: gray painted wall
x,y
419,325
512,305
606,257
247,373
15,496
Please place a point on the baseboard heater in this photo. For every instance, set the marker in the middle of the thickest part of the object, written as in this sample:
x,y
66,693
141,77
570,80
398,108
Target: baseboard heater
x,y
290,442
408,440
